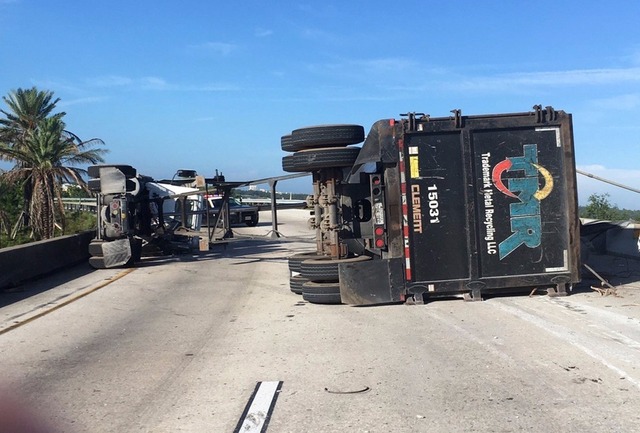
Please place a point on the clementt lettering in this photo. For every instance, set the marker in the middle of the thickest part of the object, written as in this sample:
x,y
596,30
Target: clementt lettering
x,y
416,206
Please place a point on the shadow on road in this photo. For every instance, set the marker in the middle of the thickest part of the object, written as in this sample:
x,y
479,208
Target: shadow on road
x,y
615,270
30,288
253,249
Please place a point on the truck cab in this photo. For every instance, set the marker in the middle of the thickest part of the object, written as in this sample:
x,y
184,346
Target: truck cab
x,y
135,210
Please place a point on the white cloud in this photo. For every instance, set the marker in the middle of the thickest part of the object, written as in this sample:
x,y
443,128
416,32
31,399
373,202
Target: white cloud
x,y
384,64
521,82
619,102
363,68
82,101
320,36
157,83
592,167
219,87
577,77
618,196
634,57
623,177
223,48
154,83
518,80
57,86
261,33
206,119
109,81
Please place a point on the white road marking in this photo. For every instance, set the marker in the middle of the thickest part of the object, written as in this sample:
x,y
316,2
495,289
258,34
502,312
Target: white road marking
x,y
255,418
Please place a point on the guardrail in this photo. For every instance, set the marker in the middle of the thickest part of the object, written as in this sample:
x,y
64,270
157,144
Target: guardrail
x,y
79,204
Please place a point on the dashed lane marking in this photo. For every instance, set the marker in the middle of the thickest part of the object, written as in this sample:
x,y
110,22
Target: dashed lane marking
x,y
257,413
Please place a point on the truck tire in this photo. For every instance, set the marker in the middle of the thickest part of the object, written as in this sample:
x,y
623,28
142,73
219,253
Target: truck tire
x,y
288,164
325,136
326,270
285,143
321,293
316,159
295,284
296,259
128,171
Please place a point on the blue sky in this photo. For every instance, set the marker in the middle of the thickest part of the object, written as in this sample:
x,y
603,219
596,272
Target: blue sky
x,y
214,85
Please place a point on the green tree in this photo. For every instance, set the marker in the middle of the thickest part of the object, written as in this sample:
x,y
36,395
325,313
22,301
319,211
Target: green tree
x,y
27,109
44,154
10,198
75,191
600,208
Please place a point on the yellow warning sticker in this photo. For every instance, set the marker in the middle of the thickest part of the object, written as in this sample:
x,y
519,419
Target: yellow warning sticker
x,y
414,167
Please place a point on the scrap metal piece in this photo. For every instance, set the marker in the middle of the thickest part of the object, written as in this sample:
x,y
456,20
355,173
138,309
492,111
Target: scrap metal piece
x,y
357,391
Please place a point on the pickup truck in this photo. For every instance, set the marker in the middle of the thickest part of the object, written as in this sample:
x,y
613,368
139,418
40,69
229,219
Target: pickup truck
x,y
436,207
238,212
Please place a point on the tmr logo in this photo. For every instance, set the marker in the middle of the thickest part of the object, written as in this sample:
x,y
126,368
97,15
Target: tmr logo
x,y
526,223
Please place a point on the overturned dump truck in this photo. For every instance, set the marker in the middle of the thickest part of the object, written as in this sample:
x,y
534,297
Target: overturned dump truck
x,y
435,207
136,211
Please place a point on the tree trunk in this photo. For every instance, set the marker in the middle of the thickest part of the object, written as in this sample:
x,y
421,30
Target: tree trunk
x,y
27,194
42,220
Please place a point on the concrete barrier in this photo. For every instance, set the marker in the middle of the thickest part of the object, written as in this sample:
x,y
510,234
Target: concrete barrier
x,y
25,262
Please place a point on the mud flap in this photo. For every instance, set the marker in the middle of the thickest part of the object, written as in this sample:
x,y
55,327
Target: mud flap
x,y
372,282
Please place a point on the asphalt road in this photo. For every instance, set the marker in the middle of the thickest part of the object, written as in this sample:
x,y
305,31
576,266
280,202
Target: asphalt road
x,y
179,344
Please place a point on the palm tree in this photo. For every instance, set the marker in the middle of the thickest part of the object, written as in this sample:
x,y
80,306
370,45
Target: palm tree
x,y
27,108
44,160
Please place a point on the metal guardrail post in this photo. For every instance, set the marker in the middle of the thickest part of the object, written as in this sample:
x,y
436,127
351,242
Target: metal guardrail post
x,y
274,210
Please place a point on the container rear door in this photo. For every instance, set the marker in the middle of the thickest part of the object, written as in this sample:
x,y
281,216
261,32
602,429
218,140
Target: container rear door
x,y
491,202
522,216
436,192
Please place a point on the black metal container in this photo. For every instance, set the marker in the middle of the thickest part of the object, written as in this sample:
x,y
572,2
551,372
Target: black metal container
x,y
482,204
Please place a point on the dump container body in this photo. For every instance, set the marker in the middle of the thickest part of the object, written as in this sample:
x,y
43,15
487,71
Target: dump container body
x,y
488,204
